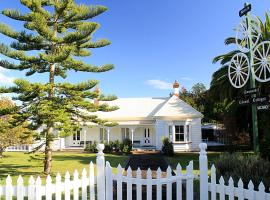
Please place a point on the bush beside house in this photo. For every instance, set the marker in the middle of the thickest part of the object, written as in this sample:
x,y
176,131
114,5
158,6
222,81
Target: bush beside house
x,y
124,147
167,147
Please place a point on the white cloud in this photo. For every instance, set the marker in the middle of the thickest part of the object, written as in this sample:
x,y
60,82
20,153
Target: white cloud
x,y
158,84
4,79
185,78
2,69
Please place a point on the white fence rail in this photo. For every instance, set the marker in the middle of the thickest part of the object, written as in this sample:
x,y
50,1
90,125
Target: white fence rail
x,y
100,183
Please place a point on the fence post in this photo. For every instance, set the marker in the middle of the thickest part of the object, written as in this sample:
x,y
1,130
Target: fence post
x,y
100,172
203,172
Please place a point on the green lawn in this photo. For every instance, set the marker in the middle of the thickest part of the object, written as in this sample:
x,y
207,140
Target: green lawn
x,y
17,163
184,158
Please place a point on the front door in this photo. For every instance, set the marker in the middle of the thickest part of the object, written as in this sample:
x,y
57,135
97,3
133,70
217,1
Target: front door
x,y
76,139
147,136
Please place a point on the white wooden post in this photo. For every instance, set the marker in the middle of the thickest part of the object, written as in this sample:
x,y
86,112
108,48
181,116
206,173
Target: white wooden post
x,y
213,183
222,188
100,172
190,178
261,193
58,187
129,183
231,189
139,184
9,188
20,188
240,190
48,188
159,188
251,190
38,188
92,181
179,182
67,186
31,188
109,182
169,184
84,184
203,172
149,184
119,182
76,185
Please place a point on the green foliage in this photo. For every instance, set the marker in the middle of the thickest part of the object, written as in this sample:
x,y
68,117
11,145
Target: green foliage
x,y
56,35
126,146
167,147
11,132
244,166
91,148
108,147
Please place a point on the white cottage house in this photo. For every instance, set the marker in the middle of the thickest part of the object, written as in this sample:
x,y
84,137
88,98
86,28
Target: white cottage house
x,y
145,121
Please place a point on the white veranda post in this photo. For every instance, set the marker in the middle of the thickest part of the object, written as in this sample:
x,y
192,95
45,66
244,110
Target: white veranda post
x,y
108,129
84,137
132,129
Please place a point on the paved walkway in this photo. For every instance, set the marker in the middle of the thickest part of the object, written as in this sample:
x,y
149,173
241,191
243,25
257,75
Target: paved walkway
x,y
146,160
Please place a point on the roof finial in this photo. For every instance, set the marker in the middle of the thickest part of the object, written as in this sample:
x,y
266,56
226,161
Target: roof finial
x,y
176,88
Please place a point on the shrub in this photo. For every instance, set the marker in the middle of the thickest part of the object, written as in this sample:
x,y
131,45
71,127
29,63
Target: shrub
x,y
126,146
245,166
91,148
108,147
117,146
167,147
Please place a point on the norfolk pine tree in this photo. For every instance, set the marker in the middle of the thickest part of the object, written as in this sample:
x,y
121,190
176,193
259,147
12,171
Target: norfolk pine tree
x,y
57,33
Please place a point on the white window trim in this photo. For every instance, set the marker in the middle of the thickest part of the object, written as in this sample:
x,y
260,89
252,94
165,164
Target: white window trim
x,y
180,123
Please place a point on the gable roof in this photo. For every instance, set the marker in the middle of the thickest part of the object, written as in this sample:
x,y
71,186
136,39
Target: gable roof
x,y
176,107
133,108
149,109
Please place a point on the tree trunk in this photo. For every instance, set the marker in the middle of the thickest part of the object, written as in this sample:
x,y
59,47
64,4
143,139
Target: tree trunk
x,y
49,134
48,151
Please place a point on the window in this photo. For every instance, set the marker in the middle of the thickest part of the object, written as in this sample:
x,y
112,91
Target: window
x,y
102,134
179,133
77,135
125,133
170,133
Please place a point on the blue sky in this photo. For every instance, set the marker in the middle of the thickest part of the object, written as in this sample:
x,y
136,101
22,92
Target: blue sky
x,y
154,42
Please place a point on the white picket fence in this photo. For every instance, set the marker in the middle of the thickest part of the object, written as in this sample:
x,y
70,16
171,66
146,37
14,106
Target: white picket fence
x,y
100,183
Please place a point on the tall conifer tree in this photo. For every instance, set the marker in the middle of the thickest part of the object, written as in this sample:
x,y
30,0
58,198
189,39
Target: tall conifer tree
x,y
57,33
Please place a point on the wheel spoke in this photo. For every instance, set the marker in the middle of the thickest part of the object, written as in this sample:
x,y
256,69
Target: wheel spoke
x,y
234,76
261,71
242,78
267,50
258,68
268,69
243,63
244,73
260,53
264,70
263,50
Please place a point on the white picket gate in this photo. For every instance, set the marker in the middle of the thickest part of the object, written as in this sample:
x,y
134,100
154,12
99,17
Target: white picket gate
x,y
105,185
